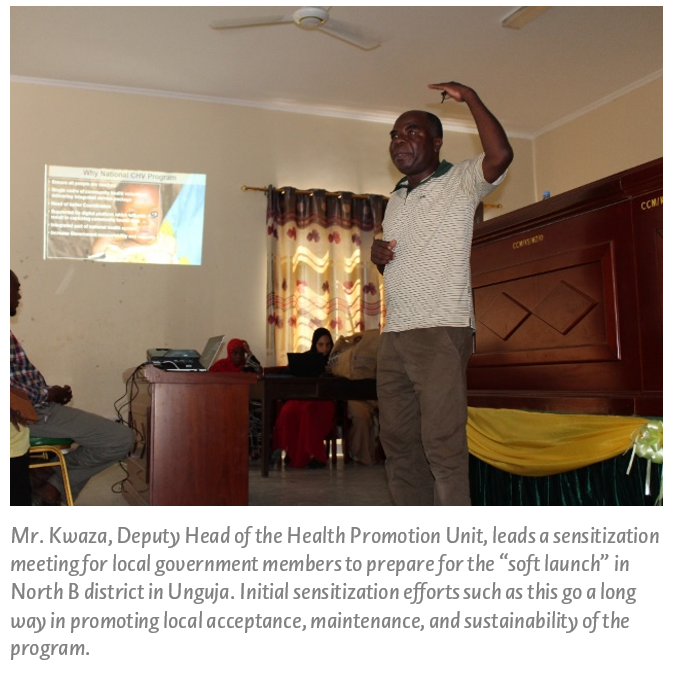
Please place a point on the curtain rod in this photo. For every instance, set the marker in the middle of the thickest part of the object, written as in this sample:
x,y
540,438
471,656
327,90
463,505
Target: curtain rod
x,y
246,188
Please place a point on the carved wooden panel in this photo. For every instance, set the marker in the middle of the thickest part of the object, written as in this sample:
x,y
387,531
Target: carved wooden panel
x,y
568,301
553,310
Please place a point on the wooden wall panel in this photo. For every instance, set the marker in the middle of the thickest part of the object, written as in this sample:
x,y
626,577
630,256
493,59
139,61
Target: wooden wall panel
x,y
568,301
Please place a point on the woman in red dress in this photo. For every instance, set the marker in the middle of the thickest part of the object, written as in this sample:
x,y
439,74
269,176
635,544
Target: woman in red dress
x,y
302,425
241,359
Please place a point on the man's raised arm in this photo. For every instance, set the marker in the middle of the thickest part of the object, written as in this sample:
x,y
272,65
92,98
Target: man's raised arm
x,y
497,150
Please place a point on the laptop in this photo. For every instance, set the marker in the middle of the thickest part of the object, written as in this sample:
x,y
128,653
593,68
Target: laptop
x,y
306,364
177,360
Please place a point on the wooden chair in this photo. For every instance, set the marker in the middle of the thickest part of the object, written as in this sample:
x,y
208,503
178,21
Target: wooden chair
x,y
48,452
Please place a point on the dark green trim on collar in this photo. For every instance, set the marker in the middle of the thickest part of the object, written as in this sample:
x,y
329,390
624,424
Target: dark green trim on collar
x,y
443,167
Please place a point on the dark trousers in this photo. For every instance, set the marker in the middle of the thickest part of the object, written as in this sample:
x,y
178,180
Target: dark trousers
x,y
423,410
102,442
19,481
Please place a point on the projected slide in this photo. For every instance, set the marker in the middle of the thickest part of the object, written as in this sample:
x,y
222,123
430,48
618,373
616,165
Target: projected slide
x,y
112,215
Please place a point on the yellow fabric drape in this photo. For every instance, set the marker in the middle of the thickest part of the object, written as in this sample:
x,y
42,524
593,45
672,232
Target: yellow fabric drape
x,y
534,444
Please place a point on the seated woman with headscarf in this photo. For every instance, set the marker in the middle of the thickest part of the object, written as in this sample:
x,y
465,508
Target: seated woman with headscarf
x,y
302,425
241,359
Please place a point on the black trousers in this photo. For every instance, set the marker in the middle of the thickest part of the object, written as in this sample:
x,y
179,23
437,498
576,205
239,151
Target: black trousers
x,y
19,485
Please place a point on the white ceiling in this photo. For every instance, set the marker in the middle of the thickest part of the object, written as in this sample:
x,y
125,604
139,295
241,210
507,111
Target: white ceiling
x,y
564,63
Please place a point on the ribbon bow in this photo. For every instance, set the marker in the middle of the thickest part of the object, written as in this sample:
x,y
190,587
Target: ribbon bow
x,y
647,443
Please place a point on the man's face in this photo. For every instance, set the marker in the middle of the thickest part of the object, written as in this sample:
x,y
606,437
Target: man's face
x,y
14,294
414,151
142,215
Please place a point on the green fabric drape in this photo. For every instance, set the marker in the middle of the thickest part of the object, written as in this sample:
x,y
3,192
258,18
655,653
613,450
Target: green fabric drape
x,y
603,484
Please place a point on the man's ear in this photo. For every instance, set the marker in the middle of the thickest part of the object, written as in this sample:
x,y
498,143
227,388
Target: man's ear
x,y
437,142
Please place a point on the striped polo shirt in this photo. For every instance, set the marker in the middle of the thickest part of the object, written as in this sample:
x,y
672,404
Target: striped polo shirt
x,y
428,284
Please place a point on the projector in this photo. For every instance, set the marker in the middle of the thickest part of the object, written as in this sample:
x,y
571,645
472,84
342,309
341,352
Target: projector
x,y
171,358
157,354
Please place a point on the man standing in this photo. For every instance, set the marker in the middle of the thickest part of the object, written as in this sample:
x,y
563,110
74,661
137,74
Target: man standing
x,y
101,442
427,338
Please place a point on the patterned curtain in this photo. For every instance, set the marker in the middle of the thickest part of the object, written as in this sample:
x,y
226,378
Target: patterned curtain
x,y
319,272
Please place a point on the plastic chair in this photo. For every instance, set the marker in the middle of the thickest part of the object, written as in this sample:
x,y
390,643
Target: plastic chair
x,y
48,452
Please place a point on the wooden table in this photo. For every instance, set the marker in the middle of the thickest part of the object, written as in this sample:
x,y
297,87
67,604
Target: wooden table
x,y
194,427
271,388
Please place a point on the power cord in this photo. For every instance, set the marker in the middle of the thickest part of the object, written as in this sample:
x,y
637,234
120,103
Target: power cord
x,y
118,486
132,390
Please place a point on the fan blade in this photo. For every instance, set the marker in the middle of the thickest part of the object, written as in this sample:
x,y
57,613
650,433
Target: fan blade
x,y
345,32
245,23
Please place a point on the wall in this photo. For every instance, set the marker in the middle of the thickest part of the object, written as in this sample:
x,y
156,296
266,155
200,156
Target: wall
x,y
84,323
619,135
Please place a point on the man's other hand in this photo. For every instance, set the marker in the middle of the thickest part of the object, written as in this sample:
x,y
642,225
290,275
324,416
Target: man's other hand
x,y
382,253
60,395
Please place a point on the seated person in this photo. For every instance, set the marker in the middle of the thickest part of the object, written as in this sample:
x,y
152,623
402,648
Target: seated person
x,y
302,425
19,443
241,359
363,432
144,236
362,416
101,442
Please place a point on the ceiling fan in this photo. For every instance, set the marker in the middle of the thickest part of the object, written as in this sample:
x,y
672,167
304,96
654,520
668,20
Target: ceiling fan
x,y
307,18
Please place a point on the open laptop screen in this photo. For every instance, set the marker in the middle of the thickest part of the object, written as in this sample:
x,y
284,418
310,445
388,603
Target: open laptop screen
x,y
211,350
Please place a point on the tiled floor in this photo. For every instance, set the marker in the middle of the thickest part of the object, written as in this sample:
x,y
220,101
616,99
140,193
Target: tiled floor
x,y
336,485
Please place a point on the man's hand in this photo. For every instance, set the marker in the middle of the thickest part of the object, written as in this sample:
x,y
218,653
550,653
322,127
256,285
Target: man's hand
x,y
454,90
382,253
60,395
498,154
